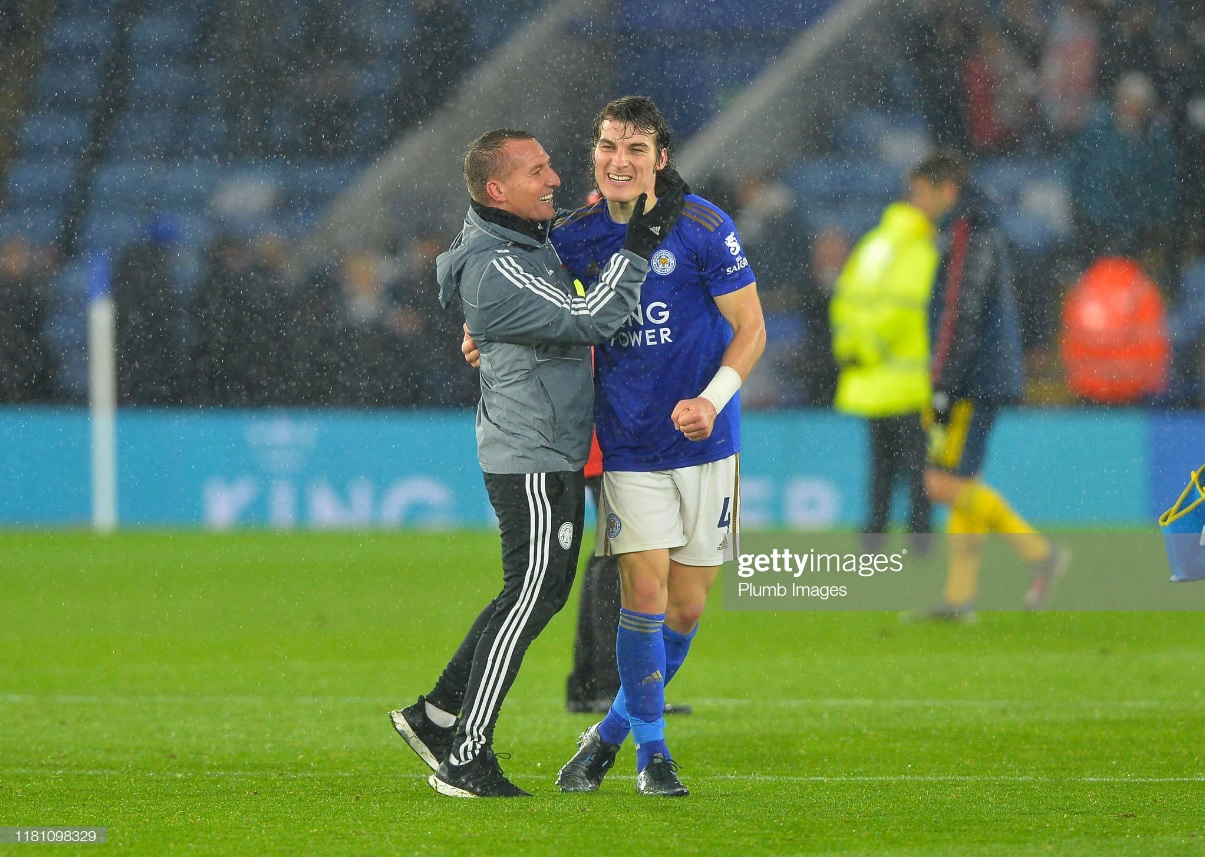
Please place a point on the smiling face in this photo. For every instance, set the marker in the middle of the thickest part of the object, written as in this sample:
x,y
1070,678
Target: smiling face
x,y
526,184
626,160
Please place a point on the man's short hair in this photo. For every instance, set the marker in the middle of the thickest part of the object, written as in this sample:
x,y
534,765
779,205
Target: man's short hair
x,y
943,165
641,113
486,159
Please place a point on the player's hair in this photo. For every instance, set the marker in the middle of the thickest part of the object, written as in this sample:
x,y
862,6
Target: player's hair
x,y
486,159
943,165
640,112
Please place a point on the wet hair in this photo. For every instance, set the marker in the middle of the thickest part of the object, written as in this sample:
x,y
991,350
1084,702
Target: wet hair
x,y
943,165
641,113
486,159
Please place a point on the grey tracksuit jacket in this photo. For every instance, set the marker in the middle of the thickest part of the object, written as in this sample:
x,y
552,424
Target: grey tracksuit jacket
x,y
534,330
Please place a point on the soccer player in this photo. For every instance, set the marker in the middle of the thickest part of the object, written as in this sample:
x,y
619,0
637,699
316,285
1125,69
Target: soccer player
x,y
534,420
976,367
879,320
668,421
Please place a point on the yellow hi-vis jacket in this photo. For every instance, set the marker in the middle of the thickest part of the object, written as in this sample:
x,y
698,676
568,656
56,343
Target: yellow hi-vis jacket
x,y
879,317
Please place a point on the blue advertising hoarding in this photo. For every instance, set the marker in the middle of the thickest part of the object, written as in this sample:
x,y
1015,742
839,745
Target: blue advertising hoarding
x,y
287,469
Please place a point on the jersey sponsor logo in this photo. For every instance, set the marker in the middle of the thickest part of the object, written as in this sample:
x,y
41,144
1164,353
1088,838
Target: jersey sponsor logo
x,y
734,246
565,535
642,336
741,262
663,262
638,330
614,525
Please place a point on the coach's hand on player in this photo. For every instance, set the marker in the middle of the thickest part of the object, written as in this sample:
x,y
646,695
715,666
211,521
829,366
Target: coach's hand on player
x,y
695,418
647,229
472,354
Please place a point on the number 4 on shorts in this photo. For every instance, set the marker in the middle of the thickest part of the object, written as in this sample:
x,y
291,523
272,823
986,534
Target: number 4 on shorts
x,y
725,515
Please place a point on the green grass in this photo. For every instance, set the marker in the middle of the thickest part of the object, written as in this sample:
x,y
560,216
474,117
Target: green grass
x,y
208,694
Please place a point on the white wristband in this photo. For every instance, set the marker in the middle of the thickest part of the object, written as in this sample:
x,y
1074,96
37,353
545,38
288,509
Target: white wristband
x,y
722,387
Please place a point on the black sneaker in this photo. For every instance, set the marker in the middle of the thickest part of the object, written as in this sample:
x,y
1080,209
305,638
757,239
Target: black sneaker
x,y
1045,573
431,742
585,771
481,776
660,778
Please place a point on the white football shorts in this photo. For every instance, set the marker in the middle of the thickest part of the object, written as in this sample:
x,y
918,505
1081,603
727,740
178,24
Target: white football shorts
x,y
693,511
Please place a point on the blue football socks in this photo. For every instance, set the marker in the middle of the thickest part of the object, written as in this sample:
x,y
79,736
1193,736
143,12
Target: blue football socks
x,y
620,721
640,654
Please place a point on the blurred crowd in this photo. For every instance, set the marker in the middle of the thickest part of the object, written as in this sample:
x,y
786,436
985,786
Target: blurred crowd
x,y
366,332
1114,91
1116,88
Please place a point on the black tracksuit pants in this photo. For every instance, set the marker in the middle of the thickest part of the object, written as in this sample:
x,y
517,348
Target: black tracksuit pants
x,y
540,518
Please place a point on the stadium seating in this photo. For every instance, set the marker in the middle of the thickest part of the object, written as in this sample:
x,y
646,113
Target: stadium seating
x,y
54,134
171,143
871,152
174,142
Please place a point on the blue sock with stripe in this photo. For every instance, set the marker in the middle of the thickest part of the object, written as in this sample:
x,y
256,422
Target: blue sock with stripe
x,y
615,726
640,655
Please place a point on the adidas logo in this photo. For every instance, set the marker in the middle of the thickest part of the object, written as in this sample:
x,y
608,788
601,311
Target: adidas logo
x,y
654,678
723,544
656,230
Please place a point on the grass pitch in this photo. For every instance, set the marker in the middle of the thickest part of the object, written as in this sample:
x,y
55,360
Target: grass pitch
x,y
208,694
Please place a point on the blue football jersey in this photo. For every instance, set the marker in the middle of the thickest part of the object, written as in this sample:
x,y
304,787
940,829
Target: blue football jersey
x,y
671,345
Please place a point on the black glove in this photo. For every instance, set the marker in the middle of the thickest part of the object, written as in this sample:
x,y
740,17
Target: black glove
x,y
941,407
667,179
646,231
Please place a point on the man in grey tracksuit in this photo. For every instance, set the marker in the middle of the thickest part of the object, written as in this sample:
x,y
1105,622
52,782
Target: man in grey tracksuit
x,y
534,326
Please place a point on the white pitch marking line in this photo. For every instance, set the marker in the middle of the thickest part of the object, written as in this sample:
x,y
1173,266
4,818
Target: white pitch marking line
x,y
902,778
85,699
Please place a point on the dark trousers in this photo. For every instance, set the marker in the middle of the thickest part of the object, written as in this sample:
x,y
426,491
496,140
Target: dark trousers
x,y
540,519
595,676
897,451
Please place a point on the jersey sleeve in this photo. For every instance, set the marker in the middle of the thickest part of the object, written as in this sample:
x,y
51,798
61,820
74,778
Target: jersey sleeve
x,y
722,258
514,301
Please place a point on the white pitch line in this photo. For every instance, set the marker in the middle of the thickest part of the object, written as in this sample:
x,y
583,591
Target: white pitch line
x,y
902,778
940,778
175,699
170,699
